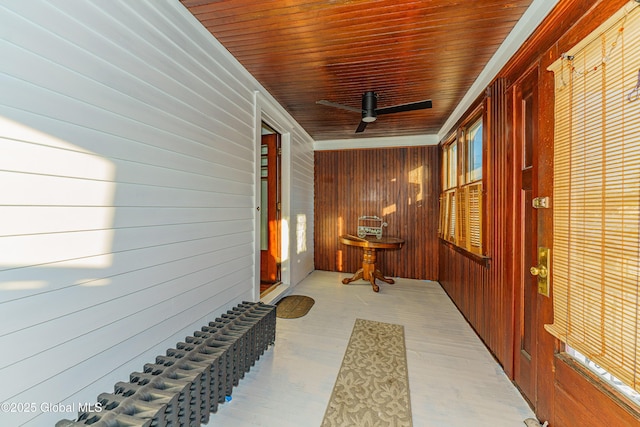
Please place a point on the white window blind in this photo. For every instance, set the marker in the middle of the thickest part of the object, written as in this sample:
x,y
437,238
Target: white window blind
x,y
469,233
448,215
596,200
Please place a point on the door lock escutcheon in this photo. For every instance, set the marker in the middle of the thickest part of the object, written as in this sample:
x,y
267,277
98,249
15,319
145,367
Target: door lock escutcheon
x,y
541,271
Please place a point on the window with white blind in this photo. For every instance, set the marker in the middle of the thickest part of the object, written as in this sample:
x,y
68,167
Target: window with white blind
x,y
596,199
461,200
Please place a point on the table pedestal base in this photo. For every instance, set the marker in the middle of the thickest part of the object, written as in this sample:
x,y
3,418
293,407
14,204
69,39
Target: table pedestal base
x,y
369,272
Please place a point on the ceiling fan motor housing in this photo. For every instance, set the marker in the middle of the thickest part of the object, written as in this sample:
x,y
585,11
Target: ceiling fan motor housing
x,y
370,110
369,105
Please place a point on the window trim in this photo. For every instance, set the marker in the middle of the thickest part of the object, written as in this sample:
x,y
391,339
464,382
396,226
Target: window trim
x,y
455,201
468,152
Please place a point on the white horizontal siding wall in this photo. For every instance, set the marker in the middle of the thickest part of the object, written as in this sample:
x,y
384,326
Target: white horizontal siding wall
x,y
302,219
127,194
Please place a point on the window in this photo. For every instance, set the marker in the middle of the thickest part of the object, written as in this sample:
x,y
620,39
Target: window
x,y
461,207
451,160
447,222
474,152
596,245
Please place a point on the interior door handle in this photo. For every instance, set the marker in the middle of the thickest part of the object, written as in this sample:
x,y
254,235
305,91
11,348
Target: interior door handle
x,y
540,271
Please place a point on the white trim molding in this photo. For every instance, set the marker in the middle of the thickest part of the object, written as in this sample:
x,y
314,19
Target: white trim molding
x,y
533,16
385,142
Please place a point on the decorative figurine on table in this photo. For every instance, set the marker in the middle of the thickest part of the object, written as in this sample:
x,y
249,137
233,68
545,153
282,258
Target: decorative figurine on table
x,y
370,226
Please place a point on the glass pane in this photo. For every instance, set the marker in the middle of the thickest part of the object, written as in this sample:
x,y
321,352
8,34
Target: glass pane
x,y
264,161
452,166
527,105
475,152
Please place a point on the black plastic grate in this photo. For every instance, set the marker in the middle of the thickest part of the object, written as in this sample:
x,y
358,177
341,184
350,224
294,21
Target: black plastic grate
x,y
184,386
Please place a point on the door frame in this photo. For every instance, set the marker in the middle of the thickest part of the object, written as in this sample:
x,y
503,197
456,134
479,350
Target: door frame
x,y
525,372
270,257
267,111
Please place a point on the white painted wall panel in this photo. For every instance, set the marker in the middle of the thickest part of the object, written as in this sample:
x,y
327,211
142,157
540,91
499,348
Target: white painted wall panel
x,y
301,230
127,193
198,160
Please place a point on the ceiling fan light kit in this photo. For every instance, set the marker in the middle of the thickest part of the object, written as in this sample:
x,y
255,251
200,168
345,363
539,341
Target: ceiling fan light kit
x,y
370,110
369,105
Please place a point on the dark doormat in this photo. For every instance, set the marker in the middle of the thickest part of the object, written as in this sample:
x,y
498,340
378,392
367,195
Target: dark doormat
x,y
294,306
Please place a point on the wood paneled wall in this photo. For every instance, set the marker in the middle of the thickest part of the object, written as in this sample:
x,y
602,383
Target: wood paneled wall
x,y
401,185
484,292
566,394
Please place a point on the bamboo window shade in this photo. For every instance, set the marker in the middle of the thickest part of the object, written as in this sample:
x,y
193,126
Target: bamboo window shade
x,y
470,217
596,198
462,217
474,225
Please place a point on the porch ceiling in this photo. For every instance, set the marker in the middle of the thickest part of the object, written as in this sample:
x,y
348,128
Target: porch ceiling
x,y
405,50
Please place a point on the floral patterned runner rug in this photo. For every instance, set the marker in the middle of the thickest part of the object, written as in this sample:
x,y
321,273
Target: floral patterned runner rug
x,y
372,388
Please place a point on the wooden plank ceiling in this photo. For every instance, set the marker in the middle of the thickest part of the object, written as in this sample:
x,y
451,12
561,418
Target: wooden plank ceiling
x,y
303,51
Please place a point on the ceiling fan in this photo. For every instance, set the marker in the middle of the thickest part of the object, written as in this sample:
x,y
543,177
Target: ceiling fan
x,y
370,110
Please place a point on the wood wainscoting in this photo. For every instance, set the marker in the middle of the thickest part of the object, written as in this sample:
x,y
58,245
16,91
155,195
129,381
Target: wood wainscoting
x,y
400,185
481,288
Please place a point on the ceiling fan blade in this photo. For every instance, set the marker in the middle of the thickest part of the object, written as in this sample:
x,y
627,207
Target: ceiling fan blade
x,y
343,107
361,127
420,105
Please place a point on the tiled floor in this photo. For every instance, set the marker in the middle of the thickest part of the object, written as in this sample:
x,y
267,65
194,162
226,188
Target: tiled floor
x,y
454,381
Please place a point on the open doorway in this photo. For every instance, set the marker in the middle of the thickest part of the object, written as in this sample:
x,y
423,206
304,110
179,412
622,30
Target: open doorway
x,y
271,209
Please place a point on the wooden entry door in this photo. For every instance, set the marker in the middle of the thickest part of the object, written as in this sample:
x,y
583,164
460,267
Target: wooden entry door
x,y
271,206
525,103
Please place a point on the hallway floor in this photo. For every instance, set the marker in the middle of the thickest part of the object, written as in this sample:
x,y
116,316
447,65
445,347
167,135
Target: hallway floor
x,y
453,379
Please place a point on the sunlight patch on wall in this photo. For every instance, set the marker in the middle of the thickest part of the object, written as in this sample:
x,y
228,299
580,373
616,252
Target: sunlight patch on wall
x,y
389,210
285,240
94,283
301,233
339,254
416,178
19,285
56,202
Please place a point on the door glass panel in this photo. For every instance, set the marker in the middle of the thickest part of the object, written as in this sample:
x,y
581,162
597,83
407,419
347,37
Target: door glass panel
x,y
527,149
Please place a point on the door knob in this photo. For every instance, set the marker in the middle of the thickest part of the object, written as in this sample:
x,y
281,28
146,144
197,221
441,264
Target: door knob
x,y
540,271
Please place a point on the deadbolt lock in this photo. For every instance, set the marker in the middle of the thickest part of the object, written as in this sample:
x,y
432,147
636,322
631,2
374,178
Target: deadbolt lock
x,y
541,271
